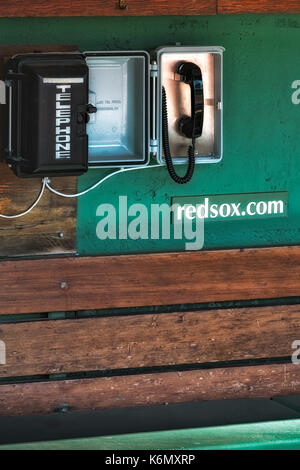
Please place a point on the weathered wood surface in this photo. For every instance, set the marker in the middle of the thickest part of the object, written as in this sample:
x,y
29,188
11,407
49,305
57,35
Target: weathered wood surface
x,y
135,341
44,8
33,8
150,389
50,228
258,6
82,283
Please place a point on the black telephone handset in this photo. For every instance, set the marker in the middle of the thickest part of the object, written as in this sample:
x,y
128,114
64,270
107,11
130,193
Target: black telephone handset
x,y
190,126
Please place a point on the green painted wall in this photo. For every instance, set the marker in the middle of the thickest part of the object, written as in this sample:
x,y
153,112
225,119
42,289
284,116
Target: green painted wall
x,y
261,125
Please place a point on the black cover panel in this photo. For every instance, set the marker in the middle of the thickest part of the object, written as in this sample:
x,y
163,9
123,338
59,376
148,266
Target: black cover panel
x,y
48,97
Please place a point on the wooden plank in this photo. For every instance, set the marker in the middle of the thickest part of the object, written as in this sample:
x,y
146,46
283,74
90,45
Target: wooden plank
x,y
49,229
150,389
61,284
34,8
261,6
46,8
134,341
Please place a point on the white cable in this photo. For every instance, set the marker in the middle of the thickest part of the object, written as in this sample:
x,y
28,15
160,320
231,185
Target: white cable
x,y
122,170
44,182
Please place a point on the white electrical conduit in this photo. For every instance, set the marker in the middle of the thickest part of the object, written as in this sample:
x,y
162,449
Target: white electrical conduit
x,y
122,170
29,208
46,181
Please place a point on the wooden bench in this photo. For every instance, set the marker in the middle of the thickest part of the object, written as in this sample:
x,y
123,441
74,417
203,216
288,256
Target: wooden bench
x,y
93,333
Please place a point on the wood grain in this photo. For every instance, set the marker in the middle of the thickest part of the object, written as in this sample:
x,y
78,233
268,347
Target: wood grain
x,y
258,6
81,283
44,8
135,341
150,389
49,229
34,8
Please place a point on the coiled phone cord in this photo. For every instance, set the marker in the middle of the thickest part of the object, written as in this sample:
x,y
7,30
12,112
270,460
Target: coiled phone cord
x,y
166,146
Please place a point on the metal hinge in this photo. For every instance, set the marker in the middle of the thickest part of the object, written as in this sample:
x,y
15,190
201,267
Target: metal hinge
x,y
153,140
153,146
153,69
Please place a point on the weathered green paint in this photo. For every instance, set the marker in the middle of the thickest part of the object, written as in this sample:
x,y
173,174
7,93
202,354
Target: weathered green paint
x,y
275,435
261,135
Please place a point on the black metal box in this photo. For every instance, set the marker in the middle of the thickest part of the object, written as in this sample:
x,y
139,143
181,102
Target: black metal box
x,y
48,111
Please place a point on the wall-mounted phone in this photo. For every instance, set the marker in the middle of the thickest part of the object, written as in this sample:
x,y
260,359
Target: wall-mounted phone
x,y
70,112
190,79
190,126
